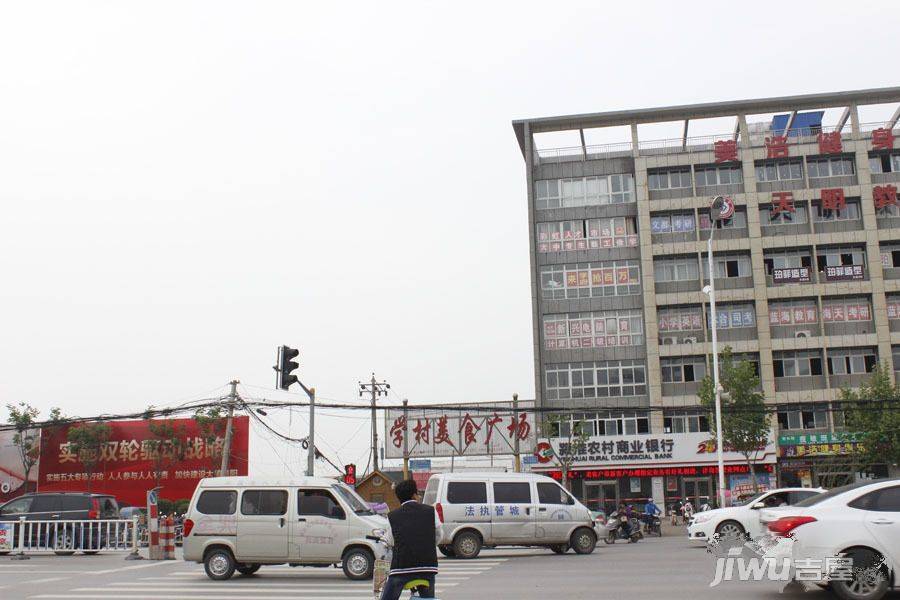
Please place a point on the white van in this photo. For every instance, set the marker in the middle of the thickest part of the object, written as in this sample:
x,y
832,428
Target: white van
x,y
239,524
507,509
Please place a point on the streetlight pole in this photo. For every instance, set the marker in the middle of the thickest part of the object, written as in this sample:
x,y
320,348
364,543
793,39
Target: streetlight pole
x,y
721,208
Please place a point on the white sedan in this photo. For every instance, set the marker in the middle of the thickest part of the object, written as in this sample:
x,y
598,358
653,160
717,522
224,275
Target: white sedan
x,y
743,519
860,522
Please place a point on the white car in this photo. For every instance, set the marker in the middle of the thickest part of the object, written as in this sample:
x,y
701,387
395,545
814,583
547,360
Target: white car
x,y
859,521
743,519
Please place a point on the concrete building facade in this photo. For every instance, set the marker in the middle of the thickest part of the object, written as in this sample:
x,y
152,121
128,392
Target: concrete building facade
x,y
807,271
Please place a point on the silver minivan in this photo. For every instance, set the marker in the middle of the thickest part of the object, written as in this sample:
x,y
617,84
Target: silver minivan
x,y
507,509
241,523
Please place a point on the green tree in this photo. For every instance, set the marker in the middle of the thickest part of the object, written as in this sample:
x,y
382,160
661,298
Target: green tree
x,y
873,412
86,440
167,447
27,436
745,421
211,423
572,439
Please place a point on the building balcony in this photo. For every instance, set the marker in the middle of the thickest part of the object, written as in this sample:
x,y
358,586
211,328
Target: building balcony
x,y
686,388
731,283
720,190
674,237
785,229
886,177
802,383
724,234
891,272
838,226
671,193
894,325
888,222
852,380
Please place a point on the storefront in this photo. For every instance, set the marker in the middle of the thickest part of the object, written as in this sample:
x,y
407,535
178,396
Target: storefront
x,y
607,470
822,460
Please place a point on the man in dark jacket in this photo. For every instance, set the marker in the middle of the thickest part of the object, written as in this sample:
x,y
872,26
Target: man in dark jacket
x,y
413,533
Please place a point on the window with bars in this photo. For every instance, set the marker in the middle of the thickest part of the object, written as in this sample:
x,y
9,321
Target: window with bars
x,y
593,330
669,179
602,379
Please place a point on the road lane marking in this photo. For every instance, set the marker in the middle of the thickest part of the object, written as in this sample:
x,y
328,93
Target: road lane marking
x,y
155,563
183,597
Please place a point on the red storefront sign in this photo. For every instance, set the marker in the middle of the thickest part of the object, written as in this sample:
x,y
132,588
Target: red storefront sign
x,y
127,468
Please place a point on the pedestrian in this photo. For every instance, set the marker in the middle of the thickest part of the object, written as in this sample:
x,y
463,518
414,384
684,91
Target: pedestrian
x,y
413,534
688,509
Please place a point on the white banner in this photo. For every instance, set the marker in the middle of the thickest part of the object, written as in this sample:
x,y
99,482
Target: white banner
x,y
471,430
645,450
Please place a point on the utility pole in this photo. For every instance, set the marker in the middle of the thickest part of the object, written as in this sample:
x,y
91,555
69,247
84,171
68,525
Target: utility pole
x,y
311,450
518,459
405,439
375,388
229,429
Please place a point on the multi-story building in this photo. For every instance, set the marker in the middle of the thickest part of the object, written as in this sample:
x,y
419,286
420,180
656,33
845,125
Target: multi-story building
x,y
806,275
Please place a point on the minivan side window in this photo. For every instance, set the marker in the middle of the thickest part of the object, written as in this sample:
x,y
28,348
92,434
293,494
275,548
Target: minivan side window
x,y
431,491
46,504
264,502
512,492
318,503
550,493
16,507
217,502
72,504
467,492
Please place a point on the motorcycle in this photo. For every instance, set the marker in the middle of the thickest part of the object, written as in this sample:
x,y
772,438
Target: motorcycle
x,y
615,532
653,525
383,566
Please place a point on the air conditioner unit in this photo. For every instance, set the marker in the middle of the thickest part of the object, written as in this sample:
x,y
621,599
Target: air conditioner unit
x,y
669,340
802,334
689,340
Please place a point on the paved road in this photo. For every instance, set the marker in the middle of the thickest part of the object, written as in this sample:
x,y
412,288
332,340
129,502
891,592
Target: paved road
x,y
664,568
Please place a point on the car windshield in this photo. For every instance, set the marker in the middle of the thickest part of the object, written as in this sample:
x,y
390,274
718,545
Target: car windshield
x,y
357,504
816,498
749,500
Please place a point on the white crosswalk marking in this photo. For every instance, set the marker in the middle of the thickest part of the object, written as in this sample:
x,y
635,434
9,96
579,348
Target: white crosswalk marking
x,y
271,583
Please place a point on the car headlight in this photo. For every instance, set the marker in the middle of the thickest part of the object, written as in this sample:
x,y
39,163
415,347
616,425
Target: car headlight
x,y
701,519
380,533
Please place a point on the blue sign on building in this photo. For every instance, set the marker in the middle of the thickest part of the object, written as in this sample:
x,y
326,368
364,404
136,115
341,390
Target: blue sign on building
x,y
420,464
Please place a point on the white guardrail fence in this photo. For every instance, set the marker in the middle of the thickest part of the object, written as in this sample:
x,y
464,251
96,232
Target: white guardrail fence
x,y
66,537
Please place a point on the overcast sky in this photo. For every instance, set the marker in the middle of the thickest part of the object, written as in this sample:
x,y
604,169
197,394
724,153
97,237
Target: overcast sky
x,y
187,185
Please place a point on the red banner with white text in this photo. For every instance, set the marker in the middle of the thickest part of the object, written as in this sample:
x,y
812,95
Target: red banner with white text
x,y
129,463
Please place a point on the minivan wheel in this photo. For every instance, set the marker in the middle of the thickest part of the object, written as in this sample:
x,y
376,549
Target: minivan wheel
x,y
467,545
358,563
447,551
219,564
867,583
583,541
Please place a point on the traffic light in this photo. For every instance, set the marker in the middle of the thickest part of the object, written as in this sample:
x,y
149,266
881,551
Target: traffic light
x,y
350,474
286,366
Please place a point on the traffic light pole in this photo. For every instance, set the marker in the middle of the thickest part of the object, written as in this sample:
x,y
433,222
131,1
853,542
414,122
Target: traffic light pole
x,y
311,448
229,429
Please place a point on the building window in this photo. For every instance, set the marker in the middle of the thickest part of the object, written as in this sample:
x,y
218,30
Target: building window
x,y
602,423
884,163
732,316
590,280
768,217
851,361
593,330
847,309
728,267
804,418
672,223
836,257
893,307
604,379
849,213
800,363
676,269
682,369
790,259
584,191
685,423
890,256
566,236
779,170
680,319
670,179
737,221
797,312
710,176
830,167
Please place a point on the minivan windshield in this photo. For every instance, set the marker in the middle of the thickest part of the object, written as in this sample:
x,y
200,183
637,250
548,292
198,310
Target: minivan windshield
x,y
356,503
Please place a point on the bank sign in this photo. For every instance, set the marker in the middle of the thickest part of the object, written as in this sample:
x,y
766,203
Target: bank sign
x,y
644,449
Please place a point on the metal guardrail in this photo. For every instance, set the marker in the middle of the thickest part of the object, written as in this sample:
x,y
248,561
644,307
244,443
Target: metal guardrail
x,y
70,536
